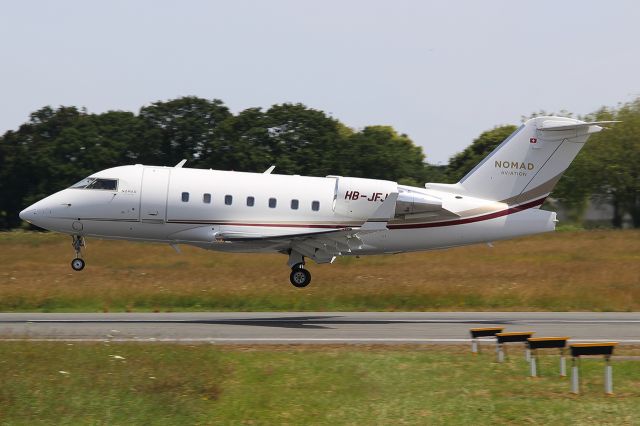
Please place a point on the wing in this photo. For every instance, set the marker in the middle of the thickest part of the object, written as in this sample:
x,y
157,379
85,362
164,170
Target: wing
x,y
321,246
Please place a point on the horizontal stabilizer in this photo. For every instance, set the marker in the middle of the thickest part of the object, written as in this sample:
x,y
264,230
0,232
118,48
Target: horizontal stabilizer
x,y
563,125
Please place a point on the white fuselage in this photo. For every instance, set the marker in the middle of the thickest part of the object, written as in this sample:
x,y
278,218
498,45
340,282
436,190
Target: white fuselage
x,y
196,207
321,218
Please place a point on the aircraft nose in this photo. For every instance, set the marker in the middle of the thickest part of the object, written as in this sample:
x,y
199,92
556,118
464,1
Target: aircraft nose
x,y
28,214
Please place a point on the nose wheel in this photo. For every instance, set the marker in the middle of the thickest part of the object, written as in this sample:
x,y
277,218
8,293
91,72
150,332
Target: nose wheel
x,y
77,264
300,277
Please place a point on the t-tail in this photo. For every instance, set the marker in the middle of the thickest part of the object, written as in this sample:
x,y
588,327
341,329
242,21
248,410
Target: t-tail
x,y
524,169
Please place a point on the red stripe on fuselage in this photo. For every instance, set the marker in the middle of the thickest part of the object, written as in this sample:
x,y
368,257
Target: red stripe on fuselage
x,y
266,225
481,218
489,216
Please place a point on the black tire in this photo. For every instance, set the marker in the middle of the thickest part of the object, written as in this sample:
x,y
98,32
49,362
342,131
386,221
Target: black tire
x,y
77,264
300,277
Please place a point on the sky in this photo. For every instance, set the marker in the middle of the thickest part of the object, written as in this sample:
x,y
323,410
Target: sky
x,y
441,72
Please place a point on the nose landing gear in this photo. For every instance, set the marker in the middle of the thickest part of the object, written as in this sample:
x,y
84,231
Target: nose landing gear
x,y
77,264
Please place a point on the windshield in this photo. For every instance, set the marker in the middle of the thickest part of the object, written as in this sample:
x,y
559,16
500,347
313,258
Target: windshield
x,y
97,183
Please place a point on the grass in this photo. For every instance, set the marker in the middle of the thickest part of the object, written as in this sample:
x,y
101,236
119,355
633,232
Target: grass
x,y
566,271
157,384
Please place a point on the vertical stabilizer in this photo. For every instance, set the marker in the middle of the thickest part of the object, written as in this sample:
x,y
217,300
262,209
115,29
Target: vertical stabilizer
x,y
528,164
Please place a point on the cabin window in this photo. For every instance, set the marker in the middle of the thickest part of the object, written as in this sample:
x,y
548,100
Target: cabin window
x,y
185,197
272,203
206,198
97,183
250,201
228,199
294,204
315,206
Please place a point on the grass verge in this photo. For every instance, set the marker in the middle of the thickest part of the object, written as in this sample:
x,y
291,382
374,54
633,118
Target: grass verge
x,y
567,271
157,384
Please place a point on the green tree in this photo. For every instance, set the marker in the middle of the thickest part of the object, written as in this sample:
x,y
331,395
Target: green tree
x,y
295,138
304,140
29,153
182,128
462,163
59,147
379,152
608,167
613,159
241,143
434,173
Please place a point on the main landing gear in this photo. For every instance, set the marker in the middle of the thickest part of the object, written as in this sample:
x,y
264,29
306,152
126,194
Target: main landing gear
x,y
299,277
77,264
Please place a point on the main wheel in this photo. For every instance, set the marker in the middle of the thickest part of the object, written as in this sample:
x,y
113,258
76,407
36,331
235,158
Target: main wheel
x,y
77,264
300,277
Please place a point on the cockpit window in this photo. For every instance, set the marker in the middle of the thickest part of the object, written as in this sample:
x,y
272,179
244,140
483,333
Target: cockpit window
x,y
83,183
97,183
108,184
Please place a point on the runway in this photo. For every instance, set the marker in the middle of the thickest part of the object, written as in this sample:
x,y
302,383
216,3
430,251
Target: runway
x,y
310,327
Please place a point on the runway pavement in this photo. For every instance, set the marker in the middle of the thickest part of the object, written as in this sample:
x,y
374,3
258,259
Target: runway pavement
x,y
311,327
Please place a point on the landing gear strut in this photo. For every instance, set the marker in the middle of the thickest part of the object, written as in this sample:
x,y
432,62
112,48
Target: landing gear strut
x,y
299,277
77,264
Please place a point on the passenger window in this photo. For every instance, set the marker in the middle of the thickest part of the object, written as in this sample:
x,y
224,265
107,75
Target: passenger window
x,y
294,204
228,199
272,203
185,197
251,201
315,206
206,198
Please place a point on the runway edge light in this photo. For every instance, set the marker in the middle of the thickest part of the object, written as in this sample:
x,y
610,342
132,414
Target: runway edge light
x,y
512,337
536,343
482,332
585,349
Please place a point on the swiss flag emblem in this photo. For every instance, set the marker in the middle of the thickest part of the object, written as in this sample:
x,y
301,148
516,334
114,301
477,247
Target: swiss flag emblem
x,y
533,140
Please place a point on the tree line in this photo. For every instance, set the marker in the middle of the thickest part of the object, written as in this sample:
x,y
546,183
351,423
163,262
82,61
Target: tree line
x,y
57,147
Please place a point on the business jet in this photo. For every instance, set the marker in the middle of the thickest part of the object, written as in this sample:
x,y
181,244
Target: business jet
x,y
320,218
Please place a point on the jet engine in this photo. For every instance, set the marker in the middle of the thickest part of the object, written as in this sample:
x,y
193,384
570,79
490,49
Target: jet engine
x,y
359,198
414,202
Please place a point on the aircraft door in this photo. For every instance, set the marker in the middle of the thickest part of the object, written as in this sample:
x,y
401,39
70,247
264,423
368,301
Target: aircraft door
x,y
153,199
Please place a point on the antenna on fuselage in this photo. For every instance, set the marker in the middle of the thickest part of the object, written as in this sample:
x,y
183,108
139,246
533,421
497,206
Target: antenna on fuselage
x,y
180,164
269,170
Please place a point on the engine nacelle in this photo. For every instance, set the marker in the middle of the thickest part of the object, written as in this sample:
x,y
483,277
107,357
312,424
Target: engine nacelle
x,y
412,202
359,198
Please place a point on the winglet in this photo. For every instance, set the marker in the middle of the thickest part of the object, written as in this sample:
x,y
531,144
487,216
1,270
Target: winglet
x,y
382,215
180,164
269,170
